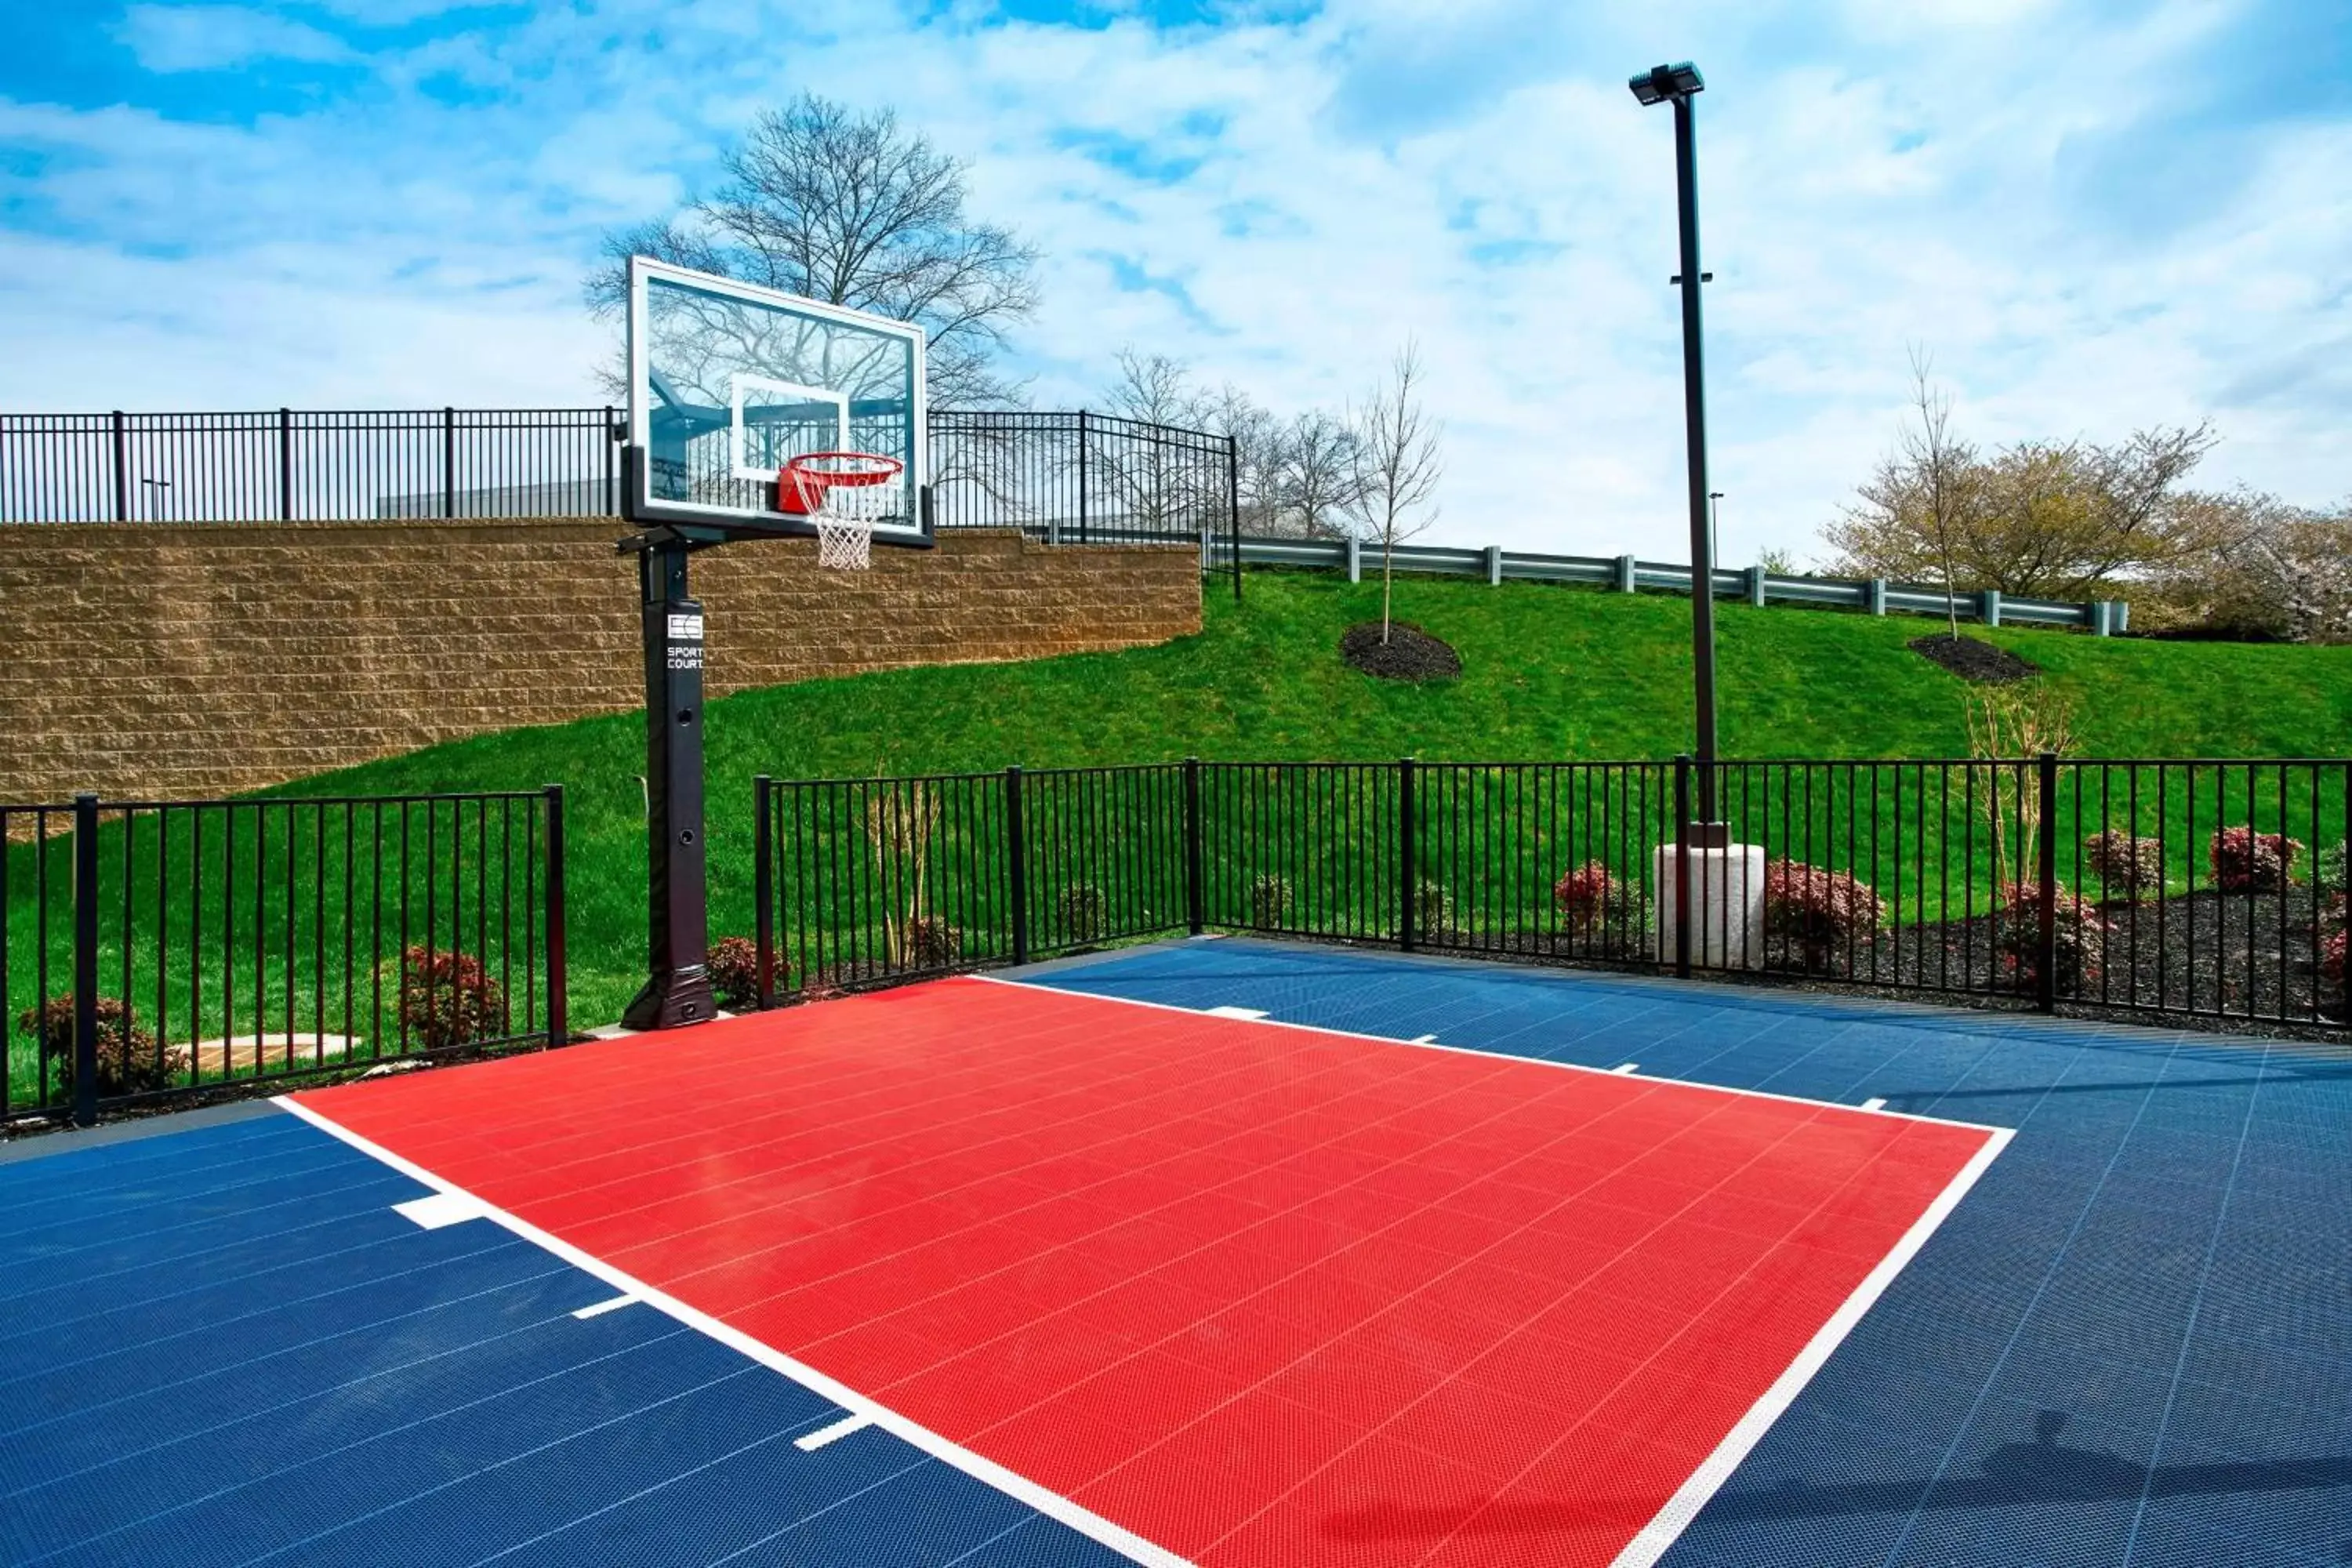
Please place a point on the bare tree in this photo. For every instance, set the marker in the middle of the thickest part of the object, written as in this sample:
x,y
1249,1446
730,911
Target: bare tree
x,y
854,210
1396,468
1318,473
1920,503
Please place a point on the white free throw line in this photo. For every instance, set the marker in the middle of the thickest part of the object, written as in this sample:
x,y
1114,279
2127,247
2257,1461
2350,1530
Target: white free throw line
x,y
1019,1488
1873,1105
1661,1532
442,1209
811,1442
1236,1012
1623,1068
600,1308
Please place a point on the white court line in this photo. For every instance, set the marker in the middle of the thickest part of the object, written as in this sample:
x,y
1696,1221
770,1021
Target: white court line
x,y
1662,1532
1422,1041
1235,1011
440,1209
1873,1105
1624,1068
600,1308
1434,1045
1020,1488
810,1443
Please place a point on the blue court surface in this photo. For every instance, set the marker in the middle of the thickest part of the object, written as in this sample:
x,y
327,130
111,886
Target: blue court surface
x,y
2127,1345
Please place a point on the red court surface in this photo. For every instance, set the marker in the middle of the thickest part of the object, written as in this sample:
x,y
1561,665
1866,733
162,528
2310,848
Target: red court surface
x,y
1259,1295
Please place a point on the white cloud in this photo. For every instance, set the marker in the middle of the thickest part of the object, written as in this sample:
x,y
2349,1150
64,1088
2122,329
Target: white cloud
x,y
1863,193
216,37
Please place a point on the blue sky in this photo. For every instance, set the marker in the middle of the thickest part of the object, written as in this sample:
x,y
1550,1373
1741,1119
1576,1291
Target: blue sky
x,y
2092,215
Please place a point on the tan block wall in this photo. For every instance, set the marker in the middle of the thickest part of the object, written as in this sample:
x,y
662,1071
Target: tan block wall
x,y
172,660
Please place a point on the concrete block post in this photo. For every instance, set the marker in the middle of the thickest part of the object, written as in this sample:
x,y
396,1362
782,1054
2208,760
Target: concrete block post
x,y
1874,596
1756,587
1494,566
1990,611
1355,559
1624,574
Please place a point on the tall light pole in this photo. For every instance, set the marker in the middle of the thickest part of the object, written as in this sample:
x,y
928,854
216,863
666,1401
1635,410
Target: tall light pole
x,y
1677,85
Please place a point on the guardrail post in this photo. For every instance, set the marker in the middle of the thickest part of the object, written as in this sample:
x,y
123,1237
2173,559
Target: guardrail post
x,y
85,961
1494,566
1873,595
2120,616
1408,853
2046,879
763,885
1682,866
1624,574
1196,893
2102,613
121,470
1016,852
1756,587
449,462
1355,559
559,1006
286,465
1989,607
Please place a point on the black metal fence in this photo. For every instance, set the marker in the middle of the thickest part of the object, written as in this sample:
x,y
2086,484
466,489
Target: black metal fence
x,y
1076,477
2200,890
151,950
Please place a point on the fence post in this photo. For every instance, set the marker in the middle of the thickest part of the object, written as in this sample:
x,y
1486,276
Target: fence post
x,y
1195,894
1082,478
1233,507
85,961
1408,852
121,470
612,501
286,465
1682,866
763,886
1016,849
559,1006
2046,876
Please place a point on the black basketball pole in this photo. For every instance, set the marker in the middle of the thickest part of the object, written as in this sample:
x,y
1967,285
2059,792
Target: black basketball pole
x,y
1677,85
677,990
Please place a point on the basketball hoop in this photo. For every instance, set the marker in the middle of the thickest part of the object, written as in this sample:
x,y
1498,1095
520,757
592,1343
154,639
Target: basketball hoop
x,y
844,494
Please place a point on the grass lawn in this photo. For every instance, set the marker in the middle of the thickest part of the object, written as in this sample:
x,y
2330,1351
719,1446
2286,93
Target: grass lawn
x,y
1550,673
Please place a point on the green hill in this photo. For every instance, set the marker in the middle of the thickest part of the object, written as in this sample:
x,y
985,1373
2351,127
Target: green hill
x,y
1549,673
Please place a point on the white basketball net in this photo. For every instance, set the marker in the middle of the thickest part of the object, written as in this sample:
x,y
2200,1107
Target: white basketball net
x,y
851,492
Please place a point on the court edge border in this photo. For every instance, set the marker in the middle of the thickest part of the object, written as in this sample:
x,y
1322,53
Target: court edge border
x,y
1481,1052
1654,1539
1054,1506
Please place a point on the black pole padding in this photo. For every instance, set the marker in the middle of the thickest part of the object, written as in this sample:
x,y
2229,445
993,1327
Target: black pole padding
x,y
1195,895
1408,853
678,987
1683,836
2046,878
764,884
559,1014
85,962
1702,542
1016,852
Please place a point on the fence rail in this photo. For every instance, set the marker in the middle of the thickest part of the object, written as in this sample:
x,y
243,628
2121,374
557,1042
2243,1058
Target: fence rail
x,y
1624,574
2189,890
151,950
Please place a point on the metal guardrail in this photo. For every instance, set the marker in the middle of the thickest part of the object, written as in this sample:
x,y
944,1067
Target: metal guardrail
x,y
1625,574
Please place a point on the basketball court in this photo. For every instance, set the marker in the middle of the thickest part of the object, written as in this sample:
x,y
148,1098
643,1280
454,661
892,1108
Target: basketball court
x,y
1198,1255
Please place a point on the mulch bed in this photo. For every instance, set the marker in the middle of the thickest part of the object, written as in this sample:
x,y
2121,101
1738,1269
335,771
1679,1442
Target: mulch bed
x,y
1971,659
1410,654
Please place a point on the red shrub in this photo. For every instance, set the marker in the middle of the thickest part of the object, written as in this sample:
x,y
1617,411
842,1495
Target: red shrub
x,y
2332,955
2080,935
128,1062
2245,861
734,969
2127,867
1822,910
1590,897
447,999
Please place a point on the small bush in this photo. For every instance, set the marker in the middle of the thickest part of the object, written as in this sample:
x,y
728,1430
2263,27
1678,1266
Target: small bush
x,y
2127,868
1433,906
447,999
1590,898
932,943
2080,931
2330,870
1823,911
1084,913
127,1060
734,969
2245,861
1269,899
